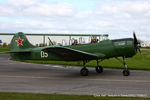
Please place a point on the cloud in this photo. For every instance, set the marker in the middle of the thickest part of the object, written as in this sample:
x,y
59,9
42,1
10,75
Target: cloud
x,y
35,9
126,16
117,18
84,14
49,11
21,3
7,11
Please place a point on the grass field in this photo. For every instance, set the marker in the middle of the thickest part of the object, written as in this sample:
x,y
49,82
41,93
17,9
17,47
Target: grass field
x,y
137,62
4,49
27,96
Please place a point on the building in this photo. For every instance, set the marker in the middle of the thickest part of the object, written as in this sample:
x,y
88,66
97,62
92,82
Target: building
x,y
145,43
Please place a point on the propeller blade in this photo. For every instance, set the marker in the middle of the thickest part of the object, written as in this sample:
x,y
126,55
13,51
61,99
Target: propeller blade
x,y
135,39
137,44
139,51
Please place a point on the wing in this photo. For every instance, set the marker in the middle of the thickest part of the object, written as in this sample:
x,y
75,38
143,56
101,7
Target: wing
x,y
69,54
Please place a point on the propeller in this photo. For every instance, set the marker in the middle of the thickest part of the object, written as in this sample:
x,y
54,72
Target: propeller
x,y
136,43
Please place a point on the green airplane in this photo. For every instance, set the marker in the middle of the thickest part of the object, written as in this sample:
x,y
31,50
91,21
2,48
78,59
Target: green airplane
x,y
21,48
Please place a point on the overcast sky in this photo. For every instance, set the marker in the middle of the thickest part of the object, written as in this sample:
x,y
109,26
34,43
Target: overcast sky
x,y
118,18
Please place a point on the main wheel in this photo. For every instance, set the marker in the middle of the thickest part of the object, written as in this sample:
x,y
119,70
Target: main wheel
x,y
84,71
99,69
126,72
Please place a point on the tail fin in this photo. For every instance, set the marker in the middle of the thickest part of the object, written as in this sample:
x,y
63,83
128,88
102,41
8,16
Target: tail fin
x,y
20,42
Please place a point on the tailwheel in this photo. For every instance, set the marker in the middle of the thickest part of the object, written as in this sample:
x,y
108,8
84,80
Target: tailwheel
x,y
126,72
84,71
99,69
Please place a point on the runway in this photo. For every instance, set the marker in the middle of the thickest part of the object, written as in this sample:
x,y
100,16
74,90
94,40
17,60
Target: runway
x,y
55,79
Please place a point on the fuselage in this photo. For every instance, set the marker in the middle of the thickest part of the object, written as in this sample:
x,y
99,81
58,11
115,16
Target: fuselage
x,y
110,48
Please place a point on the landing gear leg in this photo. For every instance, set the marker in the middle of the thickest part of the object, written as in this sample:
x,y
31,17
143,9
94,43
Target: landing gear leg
x,y
84,71
99,69
126,72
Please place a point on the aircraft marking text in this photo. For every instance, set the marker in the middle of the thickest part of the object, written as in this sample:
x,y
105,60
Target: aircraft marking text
x,y
44,54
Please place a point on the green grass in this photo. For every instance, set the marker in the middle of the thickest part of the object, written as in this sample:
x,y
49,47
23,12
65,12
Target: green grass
x,y
27,96
4,49
137,62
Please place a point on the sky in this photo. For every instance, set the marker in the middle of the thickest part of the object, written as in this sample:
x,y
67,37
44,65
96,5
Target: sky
x,y
118,18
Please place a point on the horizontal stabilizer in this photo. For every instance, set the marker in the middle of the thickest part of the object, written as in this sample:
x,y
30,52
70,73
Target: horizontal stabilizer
x,y
22,50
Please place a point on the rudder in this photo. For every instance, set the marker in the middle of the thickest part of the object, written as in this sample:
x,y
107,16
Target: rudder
x,y
20,42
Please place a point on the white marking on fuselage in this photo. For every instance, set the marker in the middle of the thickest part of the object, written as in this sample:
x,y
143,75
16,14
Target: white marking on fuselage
x,y
44,54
